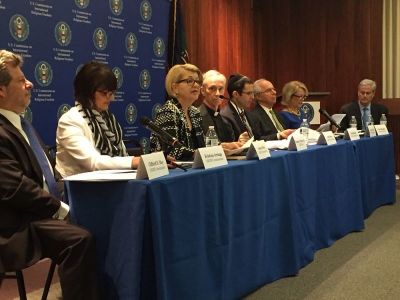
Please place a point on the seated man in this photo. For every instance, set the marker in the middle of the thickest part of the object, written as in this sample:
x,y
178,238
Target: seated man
x,y
241,94
267,124
364,107
213,89
31,225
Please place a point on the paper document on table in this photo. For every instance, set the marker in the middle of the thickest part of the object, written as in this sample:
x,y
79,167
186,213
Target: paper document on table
x,y
327,126
239,150
103,175
277,144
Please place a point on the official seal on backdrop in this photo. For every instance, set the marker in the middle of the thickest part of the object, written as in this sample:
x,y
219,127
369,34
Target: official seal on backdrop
x,y
120,77
43,73
82,3
307,111
19,27
62,109
155,109
144,79
130,113
100,38
158,47
145,10
62,33
116,6
131,43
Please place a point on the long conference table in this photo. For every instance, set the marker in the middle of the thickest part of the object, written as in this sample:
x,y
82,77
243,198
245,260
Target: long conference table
x,y
224,232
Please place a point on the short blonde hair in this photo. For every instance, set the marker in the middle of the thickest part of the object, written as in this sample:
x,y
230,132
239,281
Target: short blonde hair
x,y
291,88
7,57
176,73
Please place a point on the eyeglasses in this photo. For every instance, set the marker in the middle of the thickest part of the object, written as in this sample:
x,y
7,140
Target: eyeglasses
x,y
267,91
106,93
248,93
190,81
301,97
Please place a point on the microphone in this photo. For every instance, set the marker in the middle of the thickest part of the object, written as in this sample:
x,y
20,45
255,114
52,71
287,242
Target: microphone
x,y
330,119
161,133
223,97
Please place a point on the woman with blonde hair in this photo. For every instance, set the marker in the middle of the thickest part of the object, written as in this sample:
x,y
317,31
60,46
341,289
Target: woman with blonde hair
x,y
293,95
178,116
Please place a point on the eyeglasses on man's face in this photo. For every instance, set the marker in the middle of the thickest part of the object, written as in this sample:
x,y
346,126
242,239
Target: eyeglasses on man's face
x,y
190,81
301,97
248,93
269,90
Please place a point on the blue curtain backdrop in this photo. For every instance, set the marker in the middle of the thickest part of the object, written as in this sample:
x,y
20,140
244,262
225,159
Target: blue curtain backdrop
x,y
57,37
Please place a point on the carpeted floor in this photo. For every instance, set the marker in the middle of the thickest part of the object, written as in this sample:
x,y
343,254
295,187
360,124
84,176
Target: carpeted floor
x,y
363,265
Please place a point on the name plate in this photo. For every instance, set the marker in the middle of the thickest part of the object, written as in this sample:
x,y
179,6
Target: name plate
x,y
152,166
209,157
326,138
258,149
370,131
381,129
351,134
297,142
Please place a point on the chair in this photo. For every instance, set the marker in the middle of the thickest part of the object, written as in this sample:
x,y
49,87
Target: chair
x,y
19,276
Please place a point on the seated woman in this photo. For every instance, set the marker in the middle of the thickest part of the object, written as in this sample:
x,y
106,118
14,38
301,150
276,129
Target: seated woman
x,y
293,95
178,116
88,135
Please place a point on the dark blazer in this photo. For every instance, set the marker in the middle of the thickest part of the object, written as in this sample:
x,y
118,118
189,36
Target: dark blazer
x,y
230,115
22,199
224,129
353,109
262,125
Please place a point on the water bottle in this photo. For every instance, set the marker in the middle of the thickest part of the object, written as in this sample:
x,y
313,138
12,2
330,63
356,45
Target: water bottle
x,y
370,120
304,126
211,137
353,122
383,120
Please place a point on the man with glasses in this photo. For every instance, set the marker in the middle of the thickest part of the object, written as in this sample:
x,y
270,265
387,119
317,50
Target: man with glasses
x,y
363,108
267,124
241,94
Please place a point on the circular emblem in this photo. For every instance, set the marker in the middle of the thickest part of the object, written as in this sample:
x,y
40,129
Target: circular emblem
x,y
116,6
62,33
155,109
158,47
145,10
144,79
82,3
131,43
130,113
62,109
145,144
19,28
28,115
118,74
43,73
307,111
100,38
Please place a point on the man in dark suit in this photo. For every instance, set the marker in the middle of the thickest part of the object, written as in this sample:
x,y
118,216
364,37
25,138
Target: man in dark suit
x,y
31,225
267,125
241,94
364,107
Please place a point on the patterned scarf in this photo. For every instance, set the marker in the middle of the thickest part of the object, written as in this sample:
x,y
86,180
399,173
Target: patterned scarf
x,y
106,131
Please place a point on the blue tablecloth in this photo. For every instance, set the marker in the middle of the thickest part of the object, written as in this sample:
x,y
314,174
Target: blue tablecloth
x,y
221,233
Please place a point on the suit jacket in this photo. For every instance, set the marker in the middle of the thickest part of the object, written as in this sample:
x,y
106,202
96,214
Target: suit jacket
x,y
353,109
224,129
262,125
22,199
231,116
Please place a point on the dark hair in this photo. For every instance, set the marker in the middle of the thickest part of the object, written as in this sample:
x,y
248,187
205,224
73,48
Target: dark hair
x,y
92,77
236,82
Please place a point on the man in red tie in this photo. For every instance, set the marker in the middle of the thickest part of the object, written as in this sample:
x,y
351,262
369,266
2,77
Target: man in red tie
x,y
31,218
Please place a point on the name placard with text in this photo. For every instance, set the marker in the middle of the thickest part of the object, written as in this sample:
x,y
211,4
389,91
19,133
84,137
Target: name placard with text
x,y
152,166
209,157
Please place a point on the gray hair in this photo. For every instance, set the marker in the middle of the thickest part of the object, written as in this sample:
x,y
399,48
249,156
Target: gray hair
x,y
368,82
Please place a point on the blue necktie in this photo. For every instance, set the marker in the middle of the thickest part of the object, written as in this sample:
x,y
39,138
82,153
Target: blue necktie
x,y
365,117
41,157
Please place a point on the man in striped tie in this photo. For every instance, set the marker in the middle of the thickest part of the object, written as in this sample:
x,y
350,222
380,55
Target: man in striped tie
x,y
266,123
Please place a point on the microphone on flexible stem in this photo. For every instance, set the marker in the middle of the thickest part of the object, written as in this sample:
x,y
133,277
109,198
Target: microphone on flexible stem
x,y
330,119
161,133
223,97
